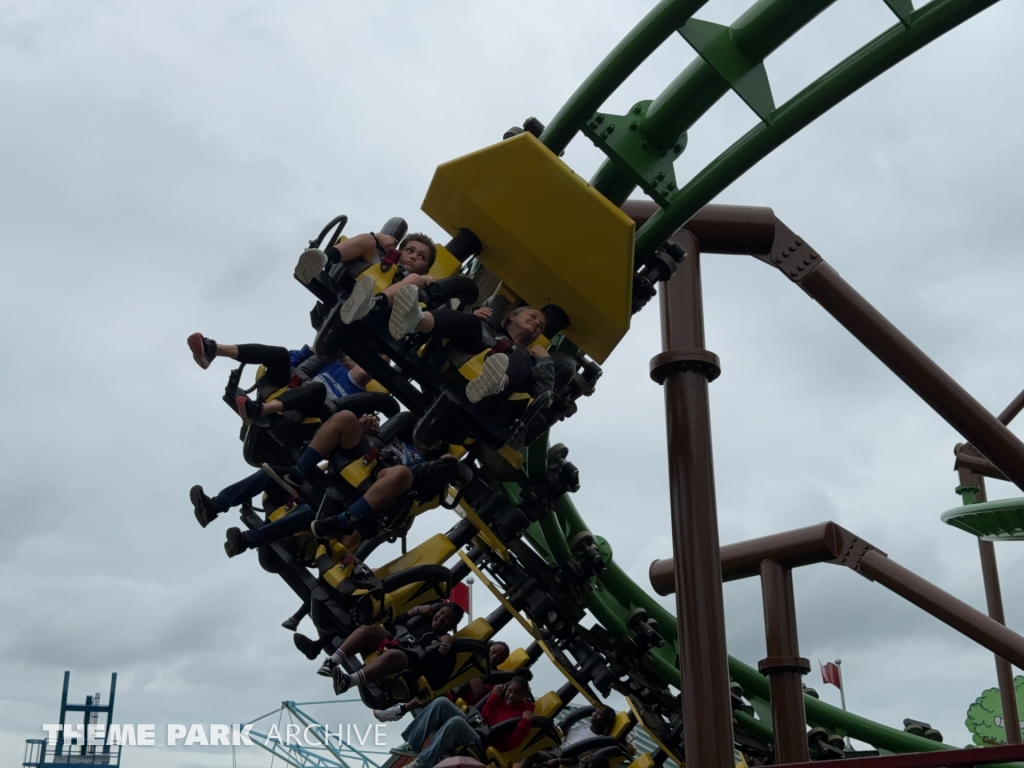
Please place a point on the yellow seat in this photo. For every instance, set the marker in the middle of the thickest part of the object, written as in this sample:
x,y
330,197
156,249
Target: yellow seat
x,y
546,233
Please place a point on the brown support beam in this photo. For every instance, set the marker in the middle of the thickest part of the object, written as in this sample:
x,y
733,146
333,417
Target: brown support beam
x,y
932,384
969,459
943,606
821,543
684,368
784,666
832,543
732,229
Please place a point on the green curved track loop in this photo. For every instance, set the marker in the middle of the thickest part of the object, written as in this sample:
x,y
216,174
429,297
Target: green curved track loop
x,y
662,124
616,595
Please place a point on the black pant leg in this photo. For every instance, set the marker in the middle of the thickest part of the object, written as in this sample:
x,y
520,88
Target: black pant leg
x,y
463,329
244,490
296,521
310,398
274,359
520,366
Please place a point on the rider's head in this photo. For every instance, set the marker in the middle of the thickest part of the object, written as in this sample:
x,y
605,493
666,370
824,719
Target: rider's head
x,y
524,325
497,652
516,691
601,721
447,617
418,253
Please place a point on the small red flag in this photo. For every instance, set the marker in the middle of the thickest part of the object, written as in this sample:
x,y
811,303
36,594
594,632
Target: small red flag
x,y
460,596
830,674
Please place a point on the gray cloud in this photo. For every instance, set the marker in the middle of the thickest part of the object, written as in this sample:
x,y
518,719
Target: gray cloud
x,y
161,166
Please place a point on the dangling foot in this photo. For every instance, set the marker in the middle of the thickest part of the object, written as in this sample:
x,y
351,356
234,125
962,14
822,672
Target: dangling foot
x,y
391,714
235,544
491,379
309,647
360,301
291,623
311,263
342,680
202,505
327,668
248,409
405,312
204,350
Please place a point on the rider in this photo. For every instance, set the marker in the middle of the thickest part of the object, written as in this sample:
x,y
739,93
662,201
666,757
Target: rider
x,y
472,692
422,626
408,467
322,380
447,726
515,362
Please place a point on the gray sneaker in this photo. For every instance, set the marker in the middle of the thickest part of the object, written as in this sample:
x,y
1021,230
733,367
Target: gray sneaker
x,y
405,312
391,714
311,263
405,750
360,301
491,379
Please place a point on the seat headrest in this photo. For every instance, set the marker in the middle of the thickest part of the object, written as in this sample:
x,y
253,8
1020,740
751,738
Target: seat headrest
x,y
396,227
399,426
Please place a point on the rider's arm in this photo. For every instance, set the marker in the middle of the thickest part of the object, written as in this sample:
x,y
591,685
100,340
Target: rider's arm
x,y
363,246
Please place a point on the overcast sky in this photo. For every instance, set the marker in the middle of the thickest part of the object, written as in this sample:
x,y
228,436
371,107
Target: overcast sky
x,y
162,165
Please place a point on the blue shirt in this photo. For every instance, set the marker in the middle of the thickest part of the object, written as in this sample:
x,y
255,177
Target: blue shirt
x,y
335,376
406,453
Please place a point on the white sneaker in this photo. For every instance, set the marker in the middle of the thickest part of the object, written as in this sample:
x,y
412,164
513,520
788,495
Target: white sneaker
x,y
389,715
357,305
490,381
405,312
311,263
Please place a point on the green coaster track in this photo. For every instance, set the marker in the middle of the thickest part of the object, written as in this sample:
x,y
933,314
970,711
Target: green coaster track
x,y
640,150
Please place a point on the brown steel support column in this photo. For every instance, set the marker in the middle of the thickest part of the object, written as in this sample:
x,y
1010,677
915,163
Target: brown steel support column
x,y
784,667
994,599
685,367
932,384
1004,673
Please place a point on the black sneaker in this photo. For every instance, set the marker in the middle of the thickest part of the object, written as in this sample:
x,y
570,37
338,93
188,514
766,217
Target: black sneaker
x,y
328,527
235,544
289,478
310,648
327,668
203,506
342,680
249,410
292,622
204,350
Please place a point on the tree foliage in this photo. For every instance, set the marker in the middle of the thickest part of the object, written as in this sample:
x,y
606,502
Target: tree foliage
x,y
985,715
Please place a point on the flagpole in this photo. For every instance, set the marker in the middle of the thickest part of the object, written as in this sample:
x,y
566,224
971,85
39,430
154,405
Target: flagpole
x,y
842,695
